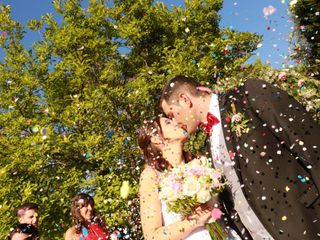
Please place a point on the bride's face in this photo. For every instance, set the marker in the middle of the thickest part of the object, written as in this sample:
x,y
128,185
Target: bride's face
x,y
171,130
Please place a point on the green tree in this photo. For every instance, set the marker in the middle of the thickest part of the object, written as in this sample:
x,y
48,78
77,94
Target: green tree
x,y
72,103
305,38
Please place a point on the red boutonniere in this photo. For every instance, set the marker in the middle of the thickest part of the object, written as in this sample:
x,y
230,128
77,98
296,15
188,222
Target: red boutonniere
x,y
238,121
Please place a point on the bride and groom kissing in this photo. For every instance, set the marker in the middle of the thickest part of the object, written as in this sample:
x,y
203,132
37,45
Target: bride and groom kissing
x,y
264,142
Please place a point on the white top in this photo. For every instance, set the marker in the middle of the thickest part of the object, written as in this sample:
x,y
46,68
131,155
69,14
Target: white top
x,y
221,160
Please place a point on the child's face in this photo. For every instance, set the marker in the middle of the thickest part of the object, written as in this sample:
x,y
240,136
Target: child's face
x,y
30,217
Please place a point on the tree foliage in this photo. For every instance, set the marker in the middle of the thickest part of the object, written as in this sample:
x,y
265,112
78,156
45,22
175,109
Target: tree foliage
x,y
72,103
306,43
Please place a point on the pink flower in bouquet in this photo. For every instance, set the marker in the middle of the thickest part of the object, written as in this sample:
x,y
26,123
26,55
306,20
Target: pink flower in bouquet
x,y
216,213
197,170
177,186
216,175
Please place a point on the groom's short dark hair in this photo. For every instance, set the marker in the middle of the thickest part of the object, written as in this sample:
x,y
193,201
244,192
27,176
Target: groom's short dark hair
x,y
176,85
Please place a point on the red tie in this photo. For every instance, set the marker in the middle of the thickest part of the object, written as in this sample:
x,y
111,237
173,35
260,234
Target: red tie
x,y
211,121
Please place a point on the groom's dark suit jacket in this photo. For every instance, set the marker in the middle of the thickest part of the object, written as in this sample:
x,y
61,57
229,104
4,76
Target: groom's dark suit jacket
x,y
277,161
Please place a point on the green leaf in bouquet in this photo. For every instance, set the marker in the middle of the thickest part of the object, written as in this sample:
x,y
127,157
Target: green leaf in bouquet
x,y
183,206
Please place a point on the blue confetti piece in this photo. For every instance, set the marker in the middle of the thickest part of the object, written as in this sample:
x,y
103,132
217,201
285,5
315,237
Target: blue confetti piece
x,y
109,134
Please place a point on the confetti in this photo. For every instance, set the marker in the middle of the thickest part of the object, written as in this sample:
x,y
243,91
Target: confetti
x,y
262,154
124,190
293,2
267,11
35,129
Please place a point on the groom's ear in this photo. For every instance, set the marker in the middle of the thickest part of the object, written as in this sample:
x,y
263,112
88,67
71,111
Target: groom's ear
x,y
185,100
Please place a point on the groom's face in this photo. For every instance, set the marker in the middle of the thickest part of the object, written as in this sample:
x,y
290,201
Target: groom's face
x,y
182,114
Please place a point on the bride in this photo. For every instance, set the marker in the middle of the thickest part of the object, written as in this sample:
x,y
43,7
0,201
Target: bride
x,y
162,141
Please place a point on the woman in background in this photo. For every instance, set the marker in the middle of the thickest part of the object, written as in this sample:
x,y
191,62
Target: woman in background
x,y
86,225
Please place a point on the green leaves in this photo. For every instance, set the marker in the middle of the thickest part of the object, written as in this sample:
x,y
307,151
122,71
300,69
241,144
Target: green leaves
x,y
305,37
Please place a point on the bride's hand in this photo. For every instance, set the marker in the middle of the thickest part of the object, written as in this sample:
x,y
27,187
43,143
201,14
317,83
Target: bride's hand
x,y
201,215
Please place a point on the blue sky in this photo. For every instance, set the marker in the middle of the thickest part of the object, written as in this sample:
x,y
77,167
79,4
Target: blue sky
x,y
242,15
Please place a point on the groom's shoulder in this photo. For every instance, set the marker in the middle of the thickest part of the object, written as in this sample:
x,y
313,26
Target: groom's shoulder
x,y
257,86
256,83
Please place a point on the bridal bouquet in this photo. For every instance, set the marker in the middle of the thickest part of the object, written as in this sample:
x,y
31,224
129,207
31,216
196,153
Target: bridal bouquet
x,y
188,186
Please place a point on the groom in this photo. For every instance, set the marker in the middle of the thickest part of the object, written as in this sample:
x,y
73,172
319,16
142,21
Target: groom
x,y
268,147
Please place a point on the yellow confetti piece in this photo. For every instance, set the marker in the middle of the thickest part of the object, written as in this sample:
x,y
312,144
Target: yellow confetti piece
x,y
284,218
287,189
124,190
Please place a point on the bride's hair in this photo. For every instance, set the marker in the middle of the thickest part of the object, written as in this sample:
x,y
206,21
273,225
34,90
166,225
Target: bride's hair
x,y
152,153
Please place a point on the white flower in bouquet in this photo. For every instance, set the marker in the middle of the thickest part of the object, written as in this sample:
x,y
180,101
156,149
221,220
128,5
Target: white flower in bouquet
x,y
203,196
190,187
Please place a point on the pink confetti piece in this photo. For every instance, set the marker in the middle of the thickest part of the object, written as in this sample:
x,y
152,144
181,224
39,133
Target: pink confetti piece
x,y
232,154
267,11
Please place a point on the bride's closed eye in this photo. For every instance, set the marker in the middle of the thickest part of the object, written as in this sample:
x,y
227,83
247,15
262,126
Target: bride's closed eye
x,y
168,121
